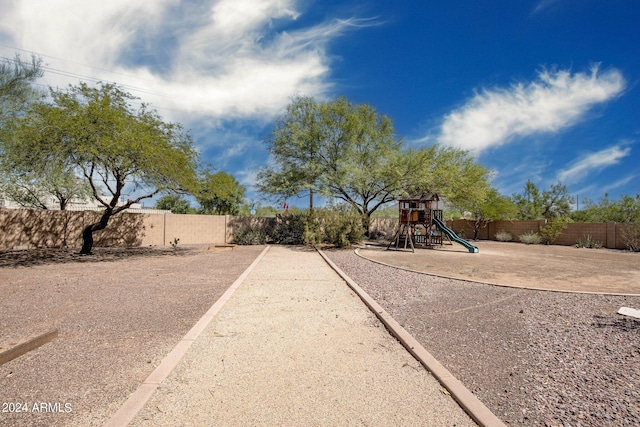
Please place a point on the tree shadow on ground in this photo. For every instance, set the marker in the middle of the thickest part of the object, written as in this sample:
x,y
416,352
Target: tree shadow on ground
x,y
622,323
35,257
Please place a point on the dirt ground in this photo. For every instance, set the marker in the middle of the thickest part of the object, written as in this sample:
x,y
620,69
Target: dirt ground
x,y
121,311
118,313
563,268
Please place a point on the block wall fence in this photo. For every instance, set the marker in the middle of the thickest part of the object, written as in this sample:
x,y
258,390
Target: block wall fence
x,y
609,234
27,229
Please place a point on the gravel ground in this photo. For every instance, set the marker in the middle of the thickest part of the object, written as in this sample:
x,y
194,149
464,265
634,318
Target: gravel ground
x,y
118,312
534,358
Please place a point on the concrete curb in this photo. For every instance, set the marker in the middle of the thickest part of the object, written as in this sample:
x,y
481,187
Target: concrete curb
x,y
501,285
27,346
470,403
143,393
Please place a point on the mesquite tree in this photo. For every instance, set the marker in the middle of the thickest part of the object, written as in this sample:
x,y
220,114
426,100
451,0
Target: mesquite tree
x,y
111,143
350,152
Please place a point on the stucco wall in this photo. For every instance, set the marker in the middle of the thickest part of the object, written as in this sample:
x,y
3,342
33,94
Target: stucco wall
x,y
608,234
25,229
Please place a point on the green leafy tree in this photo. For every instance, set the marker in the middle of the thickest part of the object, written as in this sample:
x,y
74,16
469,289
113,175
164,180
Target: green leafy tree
x,y
24,180
624,210
174,203
16,85
556,201
555,225
295,144
112,143
552,203
494,207
220,194
451,172
529,203
350,152
361,157
36,187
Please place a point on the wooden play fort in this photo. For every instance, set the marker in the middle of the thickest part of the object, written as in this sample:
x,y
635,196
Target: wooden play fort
x,y
420,224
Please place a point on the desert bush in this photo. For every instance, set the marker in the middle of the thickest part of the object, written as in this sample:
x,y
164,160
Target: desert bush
x,y
289,229
631,237
504,236
338,226
342,228
383,230
588,242
531,238
550,232
249,236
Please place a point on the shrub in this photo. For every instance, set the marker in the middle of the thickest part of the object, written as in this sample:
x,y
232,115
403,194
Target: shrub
x,y
531,238
290,229
342,228
588,242
249,236
383,230
504,236
553,229
631,236
175,242
339,226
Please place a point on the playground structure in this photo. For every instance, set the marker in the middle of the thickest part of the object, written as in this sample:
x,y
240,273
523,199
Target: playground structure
x,y
420,224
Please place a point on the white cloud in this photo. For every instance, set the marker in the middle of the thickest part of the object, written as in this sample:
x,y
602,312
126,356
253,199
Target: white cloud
x,y
544,4
556,100
217,58
80,31
617,184
599,190
593,162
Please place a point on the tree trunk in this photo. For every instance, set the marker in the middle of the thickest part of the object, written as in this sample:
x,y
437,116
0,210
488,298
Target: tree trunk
x,y
87,233
366,224
476,230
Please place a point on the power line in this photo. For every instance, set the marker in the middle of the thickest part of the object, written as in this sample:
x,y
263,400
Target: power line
x,y
82,77
93,79
66,60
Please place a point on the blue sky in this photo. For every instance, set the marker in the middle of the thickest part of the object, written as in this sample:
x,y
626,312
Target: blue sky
x,y
546,90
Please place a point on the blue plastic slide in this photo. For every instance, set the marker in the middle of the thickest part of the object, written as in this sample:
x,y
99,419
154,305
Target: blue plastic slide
x,y
454,237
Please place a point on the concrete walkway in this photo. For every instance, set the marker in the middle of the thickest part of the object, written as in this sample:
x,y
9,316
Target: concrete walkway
x,y
292,345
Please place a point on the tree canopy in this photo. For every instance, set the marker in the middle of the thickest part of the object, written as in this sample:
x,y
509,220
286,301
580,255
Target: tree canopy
x,y
295,144
99,133
350,152
625,210
174,203
548,204
16,91
493,207
16,85
220,194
